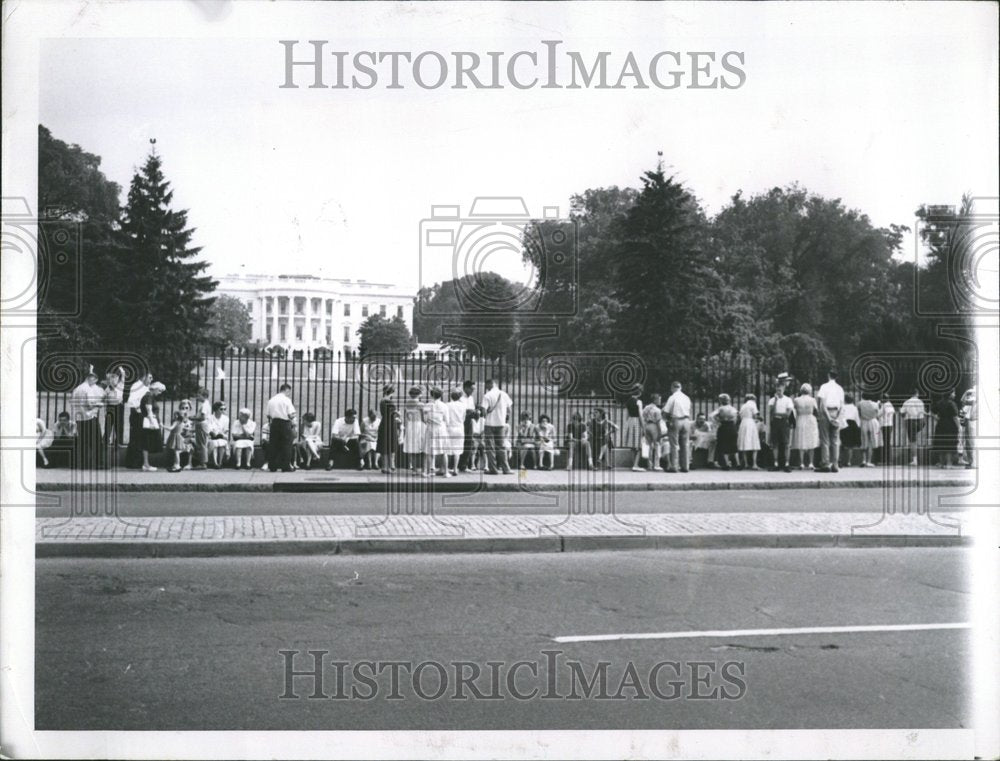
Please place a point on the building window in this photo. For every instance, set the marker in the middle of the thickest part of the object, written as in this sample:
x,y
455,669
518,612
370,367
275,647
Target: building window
x,y
270,305
364,310
250,306
298,332
381,310
282,332
347,334
347,310
315,333
300,305
399,312
315,306
329,306
282,305
329,335
269,333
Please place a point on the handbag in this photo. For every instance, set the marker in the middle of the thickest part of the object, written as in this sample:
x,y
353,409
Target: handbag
x,y
150,423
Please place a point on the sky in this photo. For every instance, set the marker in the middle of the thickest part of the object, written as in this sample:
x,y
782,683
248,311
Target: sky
x,y
886,106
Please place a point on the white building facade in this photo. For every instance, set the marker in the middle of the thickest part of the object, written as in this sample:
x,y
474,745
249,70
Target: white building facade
x,y
302,313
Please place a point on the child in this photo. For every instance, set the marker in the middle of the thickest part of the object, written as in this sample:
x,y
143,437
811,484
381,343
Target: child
x,y
703,440
577,438
850,433
479,439
526,440
242,438
748,437
369,437
602,433
311,440
181,439
43,440
545,434
265,444
506,442
218,435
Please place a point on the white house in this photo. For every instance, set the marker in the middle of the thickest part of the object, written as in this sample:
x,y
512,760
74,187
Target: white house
x,y
302,313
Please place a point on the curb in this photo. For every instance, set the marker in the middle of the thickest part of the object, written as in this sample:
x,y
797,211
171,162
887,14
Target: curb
x,y
349,487
279,547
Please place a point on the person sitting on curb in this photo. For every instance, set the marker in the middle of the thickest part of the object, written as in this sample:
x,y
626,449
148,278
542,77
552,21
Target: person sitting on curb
x,y
310,441
345,442
181,439
545,435
242,439
602,437
526,441
577,438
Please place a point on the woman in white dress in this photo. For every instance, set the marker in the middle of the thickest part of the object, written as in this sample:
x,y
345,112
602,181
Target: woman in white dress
x,y
805,435
241,435
456,430
748,437
436,444
311,440
43,440
413,431
218,435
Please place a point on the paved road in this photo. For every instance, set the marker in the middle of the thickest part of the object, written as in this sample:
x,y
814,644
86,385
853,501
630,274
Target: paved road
x,y
491,503
194,643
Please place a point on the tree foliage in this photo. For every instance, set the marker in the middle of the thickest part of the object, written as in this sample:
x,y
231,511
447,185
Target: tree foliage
x,y
383,336
229,323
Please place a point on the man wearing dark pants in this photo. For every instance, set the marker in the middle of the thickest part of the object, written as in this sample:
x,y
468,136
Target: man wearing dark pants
x,y
281,413
345,442
114,407
203,411
497,405
469,400
677,412
780,408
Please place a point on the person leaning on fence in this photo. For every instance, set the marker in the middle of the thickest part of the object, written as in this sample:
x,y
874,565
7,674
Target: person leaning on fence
x,y
805,435
114,417
545,438
748,436
456,430
345,441
280,415
387,441
133,454
830,407
724,416
497,404
653,430
413,431
241,435
469,403
677,413
218,435
632,436
201,414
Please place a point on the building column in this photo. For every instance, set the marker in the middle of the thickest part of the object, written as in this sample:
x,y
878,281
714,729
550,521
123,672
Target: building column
x,y
322,322
274,319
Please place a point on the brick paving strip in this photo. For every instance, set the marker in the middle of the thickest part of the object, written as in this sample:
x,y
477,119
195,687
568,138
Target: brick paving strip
x,y
334,534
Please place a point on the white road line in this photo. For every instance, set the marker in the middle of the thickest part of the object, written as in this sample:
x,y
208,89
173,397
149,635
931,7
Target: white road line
x,y
765,632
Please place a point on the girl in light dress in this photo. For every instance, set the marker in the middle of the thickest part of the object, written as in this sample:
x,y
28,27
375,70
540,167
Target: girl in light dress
x,y
311,440
805,434
436,446
748,438
871,431
369,439
413,431
218,435
545,435
180,440
242,434
43,440
653,431
478,453
850,431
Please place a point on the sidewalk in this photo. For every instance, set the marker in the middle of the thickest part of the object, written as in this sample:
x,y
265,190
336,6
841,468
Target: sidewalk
x,y
327,534
620,479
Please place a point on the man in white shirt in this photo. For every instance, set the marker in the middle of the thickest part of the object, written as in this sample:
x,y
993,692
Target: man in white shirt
x,y
677,412
914,414
114,396
967,418
87,401
497,405
779,414
887,422
469,402
280,414
830,407
345,442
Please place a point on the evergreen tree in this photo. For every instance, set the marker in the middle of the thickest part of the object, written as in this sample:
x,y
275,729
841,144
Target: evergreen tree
x,y
382,336
670,293
169,296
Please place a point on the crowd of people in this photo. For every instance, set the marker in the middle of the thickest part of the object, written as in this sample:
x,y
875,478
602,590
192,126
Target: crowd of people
x,y
436,433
